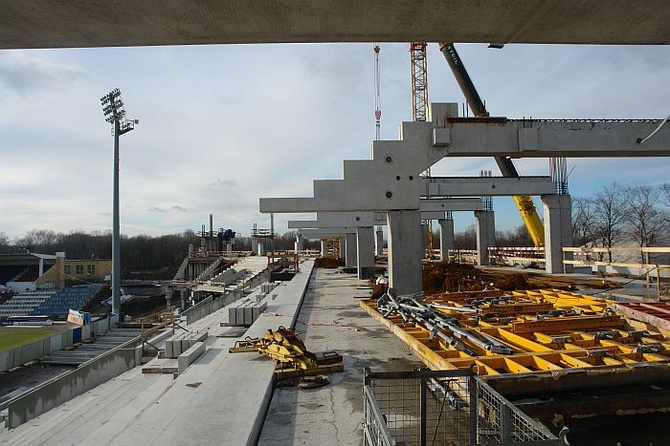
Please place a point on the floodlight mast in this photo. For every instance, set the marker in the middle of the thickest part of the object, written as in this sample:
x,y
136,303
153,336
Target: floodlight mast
x,y
112,108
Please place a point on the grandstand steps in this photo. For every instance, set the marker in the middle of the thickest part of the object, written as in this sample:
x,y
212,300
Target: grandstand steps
x,y
89,350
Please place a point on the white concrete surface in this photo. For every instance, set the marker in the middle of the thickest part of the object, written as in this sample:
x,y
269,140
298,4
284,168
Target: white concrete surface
x,y
331,319
94,23
216,401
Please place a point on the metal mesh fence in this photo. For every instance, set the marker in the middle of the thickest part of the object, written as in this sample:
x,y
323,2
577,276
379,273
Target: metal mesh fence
x,y
420,409
501,422
448,408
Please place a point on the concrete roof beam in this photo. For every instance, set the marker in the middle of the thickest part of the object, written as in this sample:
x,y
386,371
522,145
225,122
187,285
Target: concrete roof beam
x,y
483,186
557,138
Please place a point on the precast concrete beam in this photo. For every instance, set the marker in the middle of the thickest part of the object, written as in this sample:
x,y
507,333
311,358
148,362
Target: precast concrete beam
x,y
431,209
336,220
479,186
67,24
570,138
312,233
431,205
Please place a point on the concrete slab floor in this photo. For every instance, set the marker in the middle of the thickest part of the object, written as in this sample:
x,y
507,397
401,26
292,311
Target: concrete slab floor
x,y
331,319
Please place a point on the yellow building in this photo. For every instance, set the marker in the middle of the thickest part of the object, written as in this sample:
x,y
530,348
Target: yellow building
x,y
31,271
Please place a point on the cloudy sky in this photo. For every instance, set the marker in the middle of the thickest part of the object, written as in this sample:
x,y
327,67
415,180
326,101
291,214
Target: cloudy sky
x,y
221,126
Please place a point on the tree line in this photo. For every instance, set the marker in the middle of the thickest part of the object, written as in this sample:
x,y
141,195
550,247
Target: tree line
x,y
612,215
159,256
616,214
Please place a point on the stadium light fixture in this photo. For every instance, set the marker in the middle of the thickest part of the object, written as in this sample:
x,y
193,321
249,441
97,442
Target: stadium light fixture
x,y
112,108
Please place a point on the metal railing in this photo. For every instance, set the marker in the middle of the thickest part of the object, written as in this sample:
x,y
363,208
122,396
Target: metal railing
x,y
447,407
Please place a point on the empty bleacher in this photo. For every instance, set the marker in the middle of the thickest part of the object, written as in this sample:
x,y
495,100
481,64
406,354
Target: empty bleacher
x,y
24,304
49,303
60,302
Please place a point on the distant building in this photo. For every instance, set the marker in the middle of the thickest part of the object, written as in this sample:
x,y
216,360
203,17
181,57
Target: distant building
x,y
30,271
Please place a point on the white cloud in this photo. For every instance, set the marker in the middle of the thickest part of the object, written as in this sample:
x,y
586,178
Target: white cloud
x,y
221,126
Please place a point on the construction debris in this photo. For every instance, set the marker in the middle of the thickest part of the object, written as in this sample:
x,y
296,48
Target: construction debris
x,y
529,341
328,262
293,359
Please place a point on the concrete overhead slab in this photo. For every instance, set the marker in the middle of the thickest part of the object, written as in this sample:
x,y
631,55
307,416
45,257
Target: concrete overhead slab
x,y
97,23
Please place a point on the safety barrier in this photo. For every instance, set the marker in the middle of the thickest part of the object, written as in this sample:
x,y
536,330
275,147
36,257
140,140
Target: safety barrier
x,y
25,353
444,407
71,384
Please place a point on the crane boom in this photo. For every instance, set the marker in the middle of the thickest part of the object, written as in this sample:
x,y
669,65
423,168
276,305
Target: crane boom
x,y
524,203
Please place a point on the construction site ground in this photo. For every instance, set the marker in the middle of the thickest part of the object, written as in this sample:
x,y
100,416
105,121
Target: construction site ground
x,y
195,408
331,319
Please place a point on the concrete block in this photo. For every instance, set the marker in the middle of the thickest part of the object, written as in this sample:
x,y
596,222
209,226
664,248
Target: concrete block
x,y
190,356
441,137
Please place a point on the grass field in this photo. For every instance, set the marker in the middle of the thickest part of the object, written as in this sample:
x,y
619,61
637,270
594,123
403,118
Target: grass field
x,y
11,337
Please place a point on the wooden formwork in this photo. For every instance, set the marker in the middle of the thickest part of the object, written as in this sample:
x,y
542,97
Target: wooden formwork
x,y
558,341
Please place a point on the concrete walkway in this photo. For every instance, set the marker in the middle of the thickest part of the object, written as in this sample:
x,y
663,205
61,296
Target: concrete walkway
x,y
331,319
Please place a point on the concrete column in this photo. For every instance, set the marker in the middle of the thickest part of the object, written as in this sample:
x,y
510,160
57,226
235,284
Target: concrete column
x,y
254,246
557,231
379,243
404,251
323,248
446,237
351,255
366,252
299,243
183,294
486,234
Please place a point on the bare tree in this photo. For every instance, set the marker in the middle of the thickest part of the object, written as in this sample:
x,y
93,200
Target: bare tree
x,y
584,224
466,239
609,211
644,219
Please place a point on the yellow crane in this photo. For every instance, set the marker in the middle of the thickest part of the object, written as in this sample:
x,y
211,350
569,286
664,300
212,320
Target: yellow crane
x,y
524,203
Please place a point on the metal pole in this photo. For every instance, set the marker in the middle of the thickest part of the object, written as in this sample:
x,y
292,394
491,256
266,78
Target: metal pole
x,y
423,412
116,246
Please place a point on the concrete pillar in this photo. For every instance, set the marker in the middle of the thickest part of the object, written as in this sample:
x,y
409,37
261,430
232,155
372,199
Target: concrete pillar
x,y
446,237
323,248
299,243
183,294
379,243
557,231
60,267
254,246
366,252
404,251
486,233
351,255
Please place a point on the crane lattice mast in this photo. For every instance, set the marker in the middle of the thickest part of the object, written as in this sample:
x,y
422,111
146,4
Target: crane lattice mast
x,y
419,69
